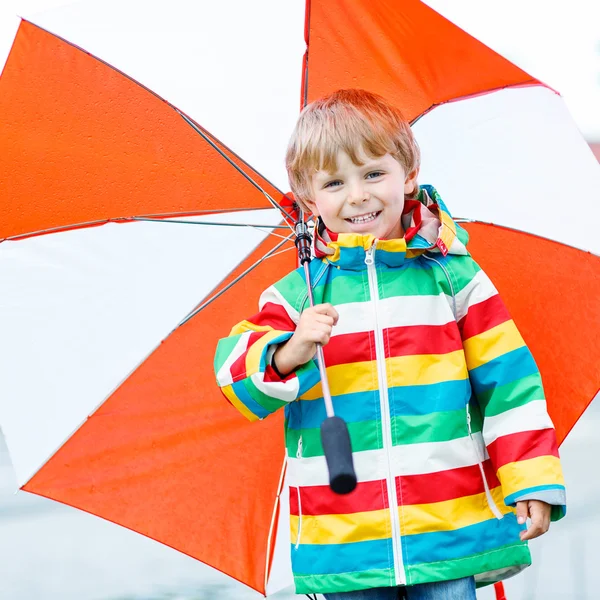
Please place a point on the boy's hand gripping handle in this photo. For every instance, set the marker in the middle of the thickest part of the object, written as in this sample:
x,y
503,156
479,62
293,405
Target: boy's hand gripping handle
x,y
334,431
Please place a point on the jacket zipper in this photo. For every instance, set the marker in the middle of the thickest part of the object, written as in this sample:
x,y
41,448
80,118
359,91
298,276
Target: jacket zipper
x,y
386,424
486,487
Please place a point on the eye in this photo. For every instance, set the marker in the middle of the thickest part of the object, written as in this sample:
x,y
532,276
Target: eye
x,y
334,183
374,174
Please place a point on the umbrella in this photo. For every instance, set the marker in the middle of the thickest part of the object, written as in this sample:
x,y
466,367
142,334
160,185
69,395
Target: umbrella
x,y
115,287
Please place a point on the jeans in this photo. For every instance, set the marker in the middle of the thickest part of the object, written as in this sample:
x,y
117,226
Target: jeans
x,y
455,589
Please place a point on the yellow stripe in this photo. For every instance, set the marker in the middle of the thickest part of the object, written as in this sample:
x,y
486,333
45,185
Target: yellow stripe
x,y
246,326
401,370
450,514
255,351
346,379
490,344
543,470
228,391
448,232
341,529
426,368
393,245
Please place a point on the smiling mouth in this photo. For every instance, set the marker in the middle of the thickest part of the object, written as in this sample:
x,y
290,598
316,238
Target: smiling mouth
x,y
364,218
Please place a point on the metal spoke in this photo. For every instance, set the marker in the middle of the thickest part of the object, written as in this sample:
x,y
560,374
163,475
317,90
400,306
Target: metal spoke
x,y
241,171
269,254
251,226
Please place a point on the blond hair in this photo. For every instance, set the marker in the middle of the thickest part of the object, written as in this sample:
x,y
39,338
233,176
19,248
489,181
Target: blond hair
x,y
347,120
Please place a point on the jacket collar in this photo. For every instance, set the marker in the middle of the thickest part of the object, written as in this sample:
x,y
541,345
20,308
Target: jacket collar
x,y
428,227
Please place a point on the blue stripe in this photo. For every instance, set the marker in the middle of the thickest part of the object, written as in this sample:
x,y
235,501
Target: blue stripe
x,y
321,559
504,369
308,376
463,542
416,400
510,500
254,407
391,259
284,337
353,408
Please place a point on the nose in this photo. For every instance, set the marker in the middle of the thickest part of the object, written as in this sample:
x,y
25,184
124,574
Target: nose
x,y
357,193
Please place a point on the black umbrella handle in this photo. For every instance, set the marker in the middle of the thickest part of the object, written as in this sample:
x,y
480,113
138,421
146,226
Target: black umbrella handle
x,y
338,454
334,431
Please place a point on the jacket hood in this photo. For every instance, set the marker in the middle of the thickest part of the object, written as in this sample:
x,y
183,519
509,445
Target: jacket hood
x,y
428,227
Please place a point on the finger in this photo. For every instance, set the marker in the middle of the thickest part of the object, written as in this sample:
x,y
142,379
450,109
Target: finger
x,y
320,334
325,319
535,530
327,309
522,512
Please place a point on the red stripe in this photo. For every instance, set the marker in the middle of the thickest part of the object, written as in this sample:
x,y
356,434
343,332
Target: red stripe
x,y
444,485
422,339
483,316
320,500
349,348
272,377
523,446
238,368
275,316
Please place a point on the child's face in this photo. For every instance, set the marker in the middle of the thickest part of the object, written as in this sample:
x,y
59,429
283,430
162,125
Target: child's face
x,y
362,199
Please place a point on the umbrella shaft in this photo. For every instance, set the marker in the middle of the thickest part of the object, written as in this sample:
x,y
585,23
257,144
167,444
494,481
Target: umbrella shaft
x,y
320,357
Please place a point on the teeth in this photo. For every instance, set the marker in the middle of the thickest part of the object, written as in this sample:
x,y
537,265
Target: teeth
x,y
363,218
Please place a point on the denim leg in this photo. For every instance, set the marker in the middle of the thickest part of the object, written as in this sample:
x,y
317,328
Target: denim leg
x,y
389,593
455,589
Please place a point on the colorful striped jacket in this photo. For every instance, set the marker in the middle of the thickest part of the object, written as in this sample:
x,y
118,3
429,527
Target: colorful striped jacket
x,y
443,400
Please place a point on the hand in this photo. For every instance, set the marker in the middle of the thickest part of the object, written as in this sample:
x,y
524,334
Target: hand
x,y
313,328
539,512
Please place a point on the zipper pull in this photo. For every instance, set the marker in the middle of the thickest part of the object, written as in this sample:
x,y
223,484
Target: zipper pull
x,y
299,451
370,254
469,421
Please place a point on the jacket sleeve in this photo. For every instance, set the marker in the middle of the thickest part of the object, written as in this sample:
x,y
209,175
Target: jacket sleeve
x,y
243,360
517,430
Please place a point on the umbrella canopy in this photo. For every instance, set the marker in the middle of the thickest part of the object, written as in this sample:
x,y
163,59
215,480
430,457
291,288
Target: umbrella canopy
x,y
107,395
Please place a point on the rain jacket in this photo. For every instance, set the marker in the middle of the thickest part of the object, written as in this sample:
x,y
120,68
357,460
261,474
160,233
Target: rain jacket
x,y
443,401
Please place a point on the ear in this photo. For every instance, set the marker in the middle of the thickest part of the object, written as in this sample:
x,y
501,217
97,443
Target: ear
x,y
312,207
410,182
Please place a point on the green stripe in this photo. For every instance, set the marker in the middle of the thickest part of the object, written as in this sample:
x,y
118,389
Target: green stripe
x,y
365,435
344,582
462,270
433,427
413,281
224,349
351,286
267,402
512,555
292,288
517,393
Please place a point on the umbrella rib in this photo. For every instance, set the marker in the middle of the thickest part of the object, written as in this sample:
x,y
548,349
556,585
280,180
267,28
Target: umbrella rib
x,y
214,297
241,171
250,225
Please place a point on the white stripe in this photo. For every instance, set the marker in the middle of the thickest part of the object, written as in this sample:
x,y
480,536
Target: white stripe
x,y
369,465
224,375
408,459
280,390
529,417
431,457
271,294
399,311
479,289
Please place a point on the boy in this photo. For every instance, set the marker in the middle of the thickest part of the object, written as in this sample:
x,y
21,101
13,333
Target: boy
x,y
451,440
